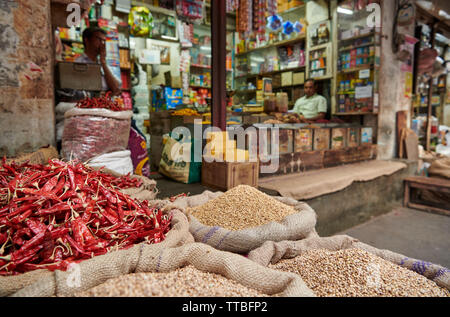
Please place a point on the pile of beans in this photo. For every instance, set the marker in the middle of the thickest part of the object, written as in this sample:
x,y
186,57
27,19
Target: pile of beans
x,y
357,273
240,208
183,282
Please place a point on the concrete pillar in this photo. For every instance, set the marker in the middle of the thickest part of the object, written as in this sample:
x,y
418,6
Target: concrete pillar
x,y
392,85
27,120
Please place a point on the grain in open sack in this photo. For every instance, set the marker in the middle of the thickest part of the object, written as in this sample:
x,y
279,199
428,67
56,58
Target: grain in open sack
x,y
379,272
243,218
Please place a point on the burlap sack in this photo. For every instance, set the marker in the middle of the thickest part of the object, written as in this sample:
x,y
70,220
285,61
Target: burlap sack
x,y
272,252
440,168
147,191
232,266
92,272
294,227
40,156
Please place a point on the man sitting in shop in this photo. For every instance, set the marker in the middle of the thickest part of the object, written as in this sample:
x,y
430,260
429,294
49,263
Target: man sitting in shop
x,y
311,107
94,40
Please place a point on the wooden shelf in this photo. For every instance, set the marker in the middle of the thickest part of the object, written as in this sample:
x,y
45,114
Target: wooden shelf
x,y
356,69
293,69
282,43
195,86
200,66
358,37
71,41
353,113
343,49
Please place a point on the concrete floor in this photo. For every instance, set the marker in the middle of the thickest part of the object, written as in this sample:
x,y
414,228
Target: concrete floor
x,y
415,234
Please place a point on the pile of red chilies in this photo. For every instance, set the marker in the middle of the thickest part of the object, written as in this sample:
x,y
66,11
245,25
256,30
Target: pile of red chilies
x,y
104,102
62,213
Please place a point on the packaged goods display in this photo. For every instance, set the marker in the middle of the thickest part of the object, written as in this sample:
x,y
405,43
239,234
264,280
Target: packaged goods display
x,y
62,213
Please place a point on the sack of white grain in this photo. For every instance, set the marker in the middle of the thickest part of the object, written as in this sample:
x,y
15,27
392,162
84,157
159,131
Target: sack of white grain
x,y
345,267
92,272
198,270
243,218
92,132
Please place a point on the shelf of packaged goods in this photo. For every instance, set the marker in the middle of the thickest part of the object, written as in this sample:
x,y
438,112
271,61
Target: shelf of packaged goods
x,y
356,69
71,41
288,86
198,86
245,91
353,113
277,44
358,36
343,49
293,69
201,66
292,10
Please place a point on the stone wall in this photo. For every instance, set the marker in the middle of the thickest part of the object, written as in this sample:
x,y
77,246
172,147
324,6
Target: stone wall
x,y
27,120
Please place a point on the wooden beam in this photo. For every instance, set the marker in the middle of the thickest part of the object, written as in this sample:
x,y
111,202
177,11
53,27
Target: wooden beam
x,y
218,38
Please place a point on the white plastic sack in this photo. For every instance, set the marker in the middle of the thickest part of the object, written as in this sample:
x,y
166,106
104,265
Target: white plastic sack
x,y
119,162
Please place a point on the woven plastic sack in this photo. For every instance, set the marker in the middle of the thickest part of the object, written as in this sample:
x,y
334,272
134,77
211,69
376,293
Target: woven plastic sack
x,y
94,271
273,252
294,227
119,162
92,132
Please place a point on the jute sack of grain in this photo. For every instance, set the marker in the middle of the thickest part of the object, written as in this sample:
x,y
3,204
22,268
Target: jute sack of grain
x,y
40,156
96,270
229,265
273,252
224,234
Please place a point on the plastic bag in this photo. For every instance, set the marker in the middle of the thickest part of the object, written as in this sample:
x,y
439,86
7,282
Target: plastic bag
x,y
141,21
137,145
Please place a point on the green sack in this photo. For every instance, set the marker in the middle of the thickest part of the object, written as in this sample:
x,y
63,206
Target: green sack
x,y
177,161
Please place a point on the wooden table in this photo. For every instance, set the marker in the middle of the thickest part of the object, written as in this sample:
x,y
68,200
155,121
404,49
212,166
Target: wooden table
x,y
427,183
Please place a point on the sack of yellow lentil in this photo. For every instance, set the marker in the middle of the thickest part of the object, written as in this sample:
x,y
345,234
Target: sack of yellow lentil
x,y
345,267
243,218
199,270
92,272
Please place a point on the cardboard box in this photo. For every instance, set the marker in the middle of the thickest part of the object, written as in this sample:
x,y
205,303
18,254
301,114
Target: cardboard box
x,y
286,79
225,175
321,139
303,140
353,137
172,81
298,78
78,76
276,80
338,138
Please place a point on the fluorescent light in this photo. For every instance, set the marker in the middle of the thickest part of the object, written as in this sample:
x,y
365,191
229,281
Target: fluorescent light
x,y
205,48
344,11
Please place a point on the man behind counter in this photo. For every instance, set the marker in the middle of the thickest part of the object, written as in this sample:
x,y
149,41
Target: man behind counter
x,y
94,40
312,106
